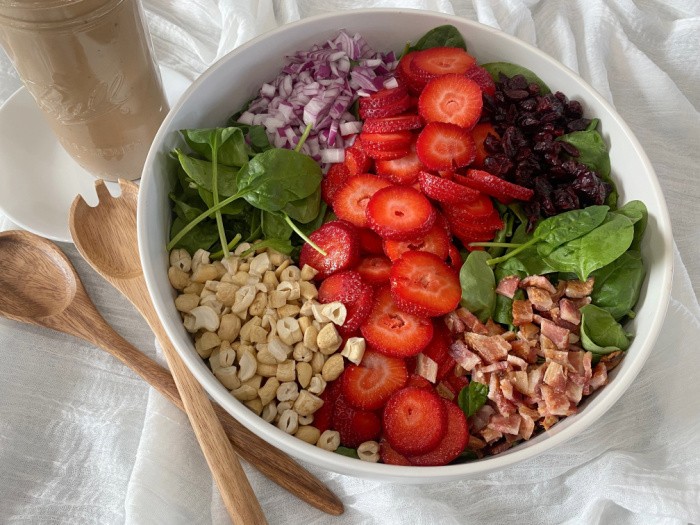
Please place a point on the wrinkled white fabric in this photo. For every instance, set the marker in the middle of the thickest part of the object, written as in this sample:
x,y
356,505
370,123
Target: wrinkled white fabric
x,y
83,440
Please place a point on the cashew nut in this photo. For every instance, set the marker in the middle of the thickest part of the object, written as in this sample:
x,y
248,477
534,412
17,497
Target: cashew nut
x,y
201,317
245,296
328,339
335,312
307,403
181,259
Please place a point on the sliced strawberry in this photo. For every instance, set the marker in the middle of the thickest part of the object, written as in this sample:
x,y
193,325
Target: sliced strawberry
x,y
358,311
383,97
417,381
355,426
453,99
400,213
480,209
482,77
455,383
337,175
437,61
356,160
495,186
370,242
351,200
404,122
380,154
469,229
341,286
423,284
374,269
390,457
371,383
453,442
390,110
393,331
415,420
480,132
439,349
339,240
406,77
444,190
323,417
403,170
442,146
384,141
455,258
435,241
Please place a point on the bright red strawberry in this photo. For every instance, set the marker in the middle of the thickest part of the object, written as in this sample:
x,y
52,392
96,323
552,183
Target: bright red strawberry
x,y
386,141
455,383
477,231
453,442
437,61
374,269
393,331
351,200
356,160
444,190
341,286
455,258
390,457
336,177
379,154
480,132
389,110
339,240
482,77
439,349
435,241
478,210
368,385
383,97
358,311
495,186
400,213
403,170
323,417
415,420
406,122
354,425
442,146
422,283
417,381
453,99
370,242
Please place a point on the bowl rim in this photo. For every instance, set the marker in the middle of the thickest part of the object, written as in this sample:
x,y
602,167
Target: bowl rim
x,y
410,474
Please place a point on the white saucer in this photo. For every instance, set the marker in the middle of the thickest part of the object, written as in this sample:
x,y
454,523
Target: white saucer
x,y
38,179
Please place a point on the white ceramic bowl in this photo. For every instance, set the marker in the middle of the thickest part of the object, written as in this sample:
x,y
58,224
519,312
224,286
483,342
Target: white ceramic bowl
x,y
234,79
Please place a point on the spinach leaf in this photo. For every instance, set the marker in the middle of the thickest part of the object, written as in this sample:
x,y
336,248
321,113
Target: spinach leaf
x,y
637,212
201,236
600,333
234,208
568,226
441,36
274,226
495,69
305,210
617,285
478,285
596,249
231,146
505,233
200,171
349,452
281,245
472,397
528,261
593,151
183,209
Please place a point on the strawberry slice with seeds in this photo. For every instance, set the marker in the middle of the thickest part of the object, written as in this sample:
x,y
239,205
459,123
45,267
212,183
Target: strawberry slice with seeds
x,y
400,213
453,442
403,170
356,160
455,258
406,77
355,426
455,383
351,200
453,99
395,332
336,177
370,242
339,240
415,420
438,61
371,383
389,456
444,190
483,78
495,186
435,241
380,154
480,132
405,122
323,417
439,349
419,381
391,110
442,146
383,97
422,283
374,269
357,311
478,210
383,141
341,286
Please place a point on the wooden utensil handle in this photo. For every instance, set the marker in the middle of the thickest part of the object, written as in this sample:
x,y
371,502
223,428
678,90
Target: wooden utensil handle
x,y
270,461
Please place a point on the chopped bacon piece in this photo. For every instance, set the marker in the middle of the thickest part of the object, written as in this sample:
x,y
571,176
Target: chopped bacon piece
x,y
599,377
459,351
508,285
502,447
454,324
527,426
498,366
517,362
561,288
556,403
491,348
549,421
426,367
576,289
558,335
471,321
519,380
555,376
490,435
493,328
538,281
529,332
506,425
541,299
522,312
444,391
510,392
574,392
612,359
503,405
534,379
587,366
569,312
580,303
527,411
481,418
475,443
524,350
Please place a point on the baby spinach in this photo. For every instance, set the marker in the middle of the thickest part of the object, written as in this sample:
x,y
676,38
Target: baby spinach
x,y
478,285
201,236
617,285
441,36
345,451
600,333
472,397
201,173
593,151
565,227
637,212
509,70
231,145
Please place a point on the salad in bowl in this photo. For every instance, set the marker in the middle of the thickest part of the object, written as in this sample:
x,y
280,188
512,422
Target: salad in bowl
x,y
418,259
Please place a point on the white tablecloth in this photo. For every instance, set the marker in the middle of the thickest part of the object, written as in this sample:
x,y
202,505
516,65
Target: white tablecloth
x,y
83,440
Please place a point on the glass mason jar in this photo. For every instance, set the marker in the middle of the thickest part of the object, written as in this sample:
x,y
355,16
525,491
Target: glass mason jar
x,y
90,66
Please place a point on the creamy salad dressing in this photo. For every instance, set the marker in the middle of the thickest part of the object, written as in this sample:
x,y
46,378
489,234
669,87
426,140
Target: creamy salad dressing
x,y
90,67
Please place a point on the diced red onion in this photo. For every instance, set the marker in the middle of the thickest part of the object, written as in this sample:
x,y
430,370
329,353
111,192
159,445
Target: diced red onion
x,y
331,156
350,128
